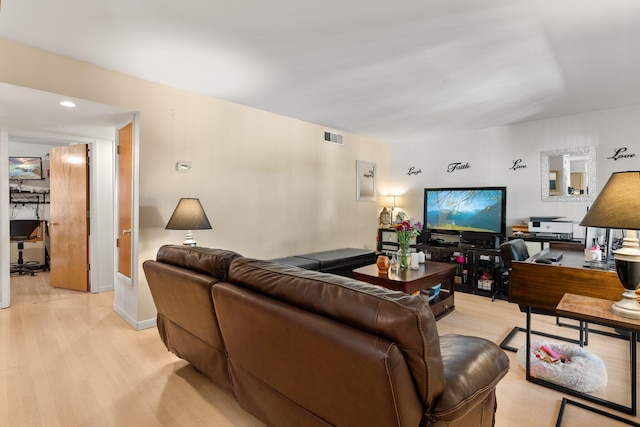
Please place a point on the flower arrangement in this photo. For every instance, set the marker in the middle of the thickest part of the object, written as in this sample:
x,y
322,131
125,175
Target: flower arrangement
x,y
406,231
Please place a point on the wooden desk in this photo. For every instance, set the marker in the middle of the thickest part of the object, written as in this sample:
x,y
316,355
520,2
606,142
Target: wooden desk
x,y
597,310
34,249
410,281
544,285
541,287
577,244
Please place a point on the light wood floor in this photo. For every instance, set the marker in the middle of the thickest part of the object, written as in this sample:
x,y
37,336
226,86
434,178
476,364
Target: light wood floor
x,y
67,359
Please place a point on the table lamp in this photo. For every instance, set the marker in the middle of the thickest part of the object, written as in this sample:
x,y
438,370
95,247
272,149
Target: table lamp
x,y
618,206
189,216
393,206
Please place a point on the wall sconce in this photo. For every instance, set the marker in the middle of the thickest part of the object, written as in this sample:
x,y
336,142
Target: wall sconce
x,y
189,216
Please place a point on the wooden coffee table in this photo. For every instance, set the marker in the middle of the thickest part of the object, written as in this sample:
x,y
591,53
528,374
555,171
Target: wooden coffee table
x,y
413,281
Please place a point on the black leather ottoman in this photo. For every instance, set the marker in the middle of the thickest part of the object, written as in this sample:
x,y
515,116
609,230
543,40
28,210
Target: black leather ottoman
x,y
307,264
341,261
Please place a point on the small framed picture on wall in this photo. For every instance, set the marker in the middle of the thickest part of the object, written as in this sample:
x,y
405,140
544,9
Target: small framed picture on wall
x,y
365,181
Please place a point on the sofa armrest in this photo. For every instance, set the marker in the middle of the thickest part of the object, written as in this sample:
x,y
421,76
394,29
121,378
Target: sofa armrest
x,y
473,367
184,297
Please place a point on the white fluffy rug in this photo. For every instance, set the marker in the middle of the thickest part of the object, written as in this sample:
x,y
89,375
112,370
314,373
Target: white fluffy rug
x,y
579,369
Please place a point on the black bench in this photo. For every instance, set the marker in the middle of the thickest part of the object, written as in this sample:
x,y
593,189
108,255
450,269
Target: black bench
x,y
338,261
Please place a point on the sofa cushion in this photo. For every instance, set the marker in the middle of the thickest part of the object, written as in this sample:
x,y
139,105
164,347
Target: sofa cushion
x,y
404,319
214,262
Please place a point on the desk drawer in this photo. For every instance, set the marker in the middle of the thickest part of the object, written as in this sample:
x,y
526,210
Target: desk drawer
x,y
442,305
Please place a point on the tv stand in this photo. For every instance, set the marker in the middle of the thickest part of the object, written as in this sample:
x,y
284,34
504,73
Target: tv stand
x,y
478,267
478,270
441,242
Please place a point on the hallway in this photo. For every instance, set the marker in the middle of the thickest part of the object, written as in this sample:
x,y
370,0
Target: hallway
x,y
26,289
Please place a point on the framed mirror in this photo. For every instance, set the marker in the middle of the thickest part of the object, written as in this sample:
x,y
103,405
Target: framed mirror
x,y
568,175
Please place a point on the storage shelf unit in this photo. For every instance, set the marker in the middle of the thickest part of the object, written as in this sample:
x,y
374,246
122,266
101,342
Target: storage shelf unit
x,y
478,270
388,241
25,197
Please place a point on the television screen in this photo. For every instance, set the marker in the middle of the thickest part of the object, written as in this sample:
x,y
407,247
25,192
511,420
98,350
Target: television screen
x,y
25,168
479,209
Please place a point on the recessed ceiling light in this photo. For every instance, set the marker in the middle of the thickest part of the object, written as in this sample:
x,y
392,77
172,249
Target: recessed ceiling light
x,y
67,104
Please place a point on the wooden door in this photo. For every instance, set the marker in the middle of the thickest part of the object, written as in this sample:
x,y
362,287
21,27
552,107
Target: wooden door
x,y
69,224
125,166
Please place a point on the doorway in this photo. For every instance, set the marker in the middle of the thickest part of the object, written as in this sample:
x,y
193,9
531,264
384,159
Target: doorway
x,y
37,289
34,113
102,204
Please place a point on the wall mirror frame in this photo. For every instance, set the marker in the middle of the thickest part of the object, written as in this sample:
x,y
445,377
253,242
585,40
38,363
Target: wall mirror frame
x,y
568,175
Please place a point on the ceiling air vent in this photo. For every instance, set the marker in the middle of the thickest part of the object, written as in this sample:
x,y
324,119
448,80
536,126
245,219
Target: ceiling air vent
x,y
333,138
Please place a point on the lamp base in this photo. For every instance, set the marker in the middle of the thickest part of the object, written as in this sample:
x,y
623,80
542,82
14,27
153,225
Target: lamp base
x,y
189,241
627,307
628,268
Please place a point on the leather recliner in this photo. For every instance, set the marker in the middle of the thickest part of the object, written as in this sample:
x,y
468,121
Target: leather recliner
x,y
308,348
180,281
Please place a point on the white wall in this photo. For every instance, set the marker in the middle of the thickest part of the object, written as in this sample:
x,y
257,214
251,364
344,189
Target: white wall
x,y
491,153
269,184
272,188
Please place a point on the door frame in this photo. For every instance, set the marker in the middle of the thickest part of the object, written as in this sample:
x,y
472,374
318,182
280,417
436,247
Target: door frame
x,y
5,290
125,295
101,181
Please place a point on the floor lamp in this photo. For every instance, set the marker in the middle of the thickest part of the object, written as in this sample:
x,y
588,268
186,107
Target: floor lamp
x,y
618,206
189,216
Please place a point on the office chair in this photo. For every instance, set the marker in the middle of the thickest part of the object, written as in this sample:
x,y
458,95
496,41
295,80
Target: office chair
x,y
20,231
512,250
516,250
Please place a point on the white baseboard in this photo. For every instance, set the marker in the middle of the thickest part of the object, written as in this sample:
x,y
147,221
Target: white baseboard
x,y
137,325
104,288
146,324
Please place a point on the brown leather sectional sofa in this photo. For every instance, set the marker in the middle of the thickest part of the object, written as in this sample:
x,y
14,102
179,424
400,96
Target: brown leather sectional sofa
x,y
304,348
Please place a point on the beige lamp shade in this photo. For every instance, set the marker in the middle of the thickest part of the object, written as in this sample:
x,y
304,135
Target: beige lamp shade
x,y
618,204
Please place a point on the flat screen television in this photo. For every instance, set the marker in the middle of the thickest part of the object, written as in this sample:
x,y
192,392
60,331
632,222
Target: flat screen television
x,y
465,209
25,168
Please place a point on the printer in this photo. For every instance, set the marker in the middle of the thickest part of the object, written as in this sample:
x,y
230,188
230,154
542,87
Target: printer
x,y
550,227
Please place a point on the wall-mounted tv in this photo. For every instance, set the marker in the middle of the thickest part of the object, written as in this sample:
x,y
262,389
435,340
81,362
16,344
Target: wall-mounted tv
x,y
474,209
25,168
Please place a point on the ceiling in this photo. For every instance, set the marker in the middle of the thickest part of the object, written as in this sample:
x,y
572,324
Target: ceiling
x,y
37,117
395,71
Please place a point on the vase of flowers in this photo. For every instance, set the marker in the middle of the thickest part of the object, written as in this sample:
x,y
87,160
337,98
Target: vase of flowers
x,y
406,231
